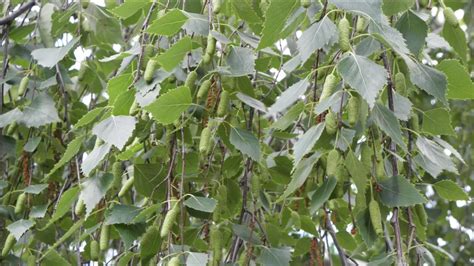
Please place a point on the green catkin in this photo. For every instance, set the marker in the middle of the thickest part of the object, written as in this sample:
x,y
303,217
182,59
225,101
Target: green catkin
x,y
328,87
8,245
82,71
331,123
203,89
150,70
205,140
150,236
170,218
366,155
117,172
191,80
255,183
450,17
211,45
344,30
375,217
421,213
305,3
174,261
104,237
94,250
126,187
223,104
11,128
23,85
20,203
80,208
414,122
215,242
361,24
216,6
353,108
333,162
400,84
206,59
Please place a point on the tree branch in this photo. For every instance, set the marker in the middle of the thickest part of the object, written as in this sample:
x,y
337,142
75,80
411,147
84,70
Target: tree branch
x,y
9,18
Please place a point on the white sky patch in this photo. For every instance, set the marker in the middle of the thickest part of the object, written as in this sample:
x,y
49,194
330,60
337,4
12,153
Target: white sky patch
x,y
298,34
98,2
117,47
282,45
279,76
459,14
80,54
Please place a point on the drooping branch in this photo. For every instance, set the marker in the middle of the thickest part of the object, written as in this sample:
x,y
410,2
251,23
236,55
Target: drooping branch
x,y
9,18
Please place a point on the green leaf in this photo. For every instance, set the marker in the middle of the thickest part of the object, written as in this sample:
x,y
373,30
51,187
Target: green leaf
x,y
118,85
389,36
49,57
129,8
306,143
115,130
196,259
169,106
392,7
94,189
320,34
371,8
169,24
18,228
460,85
121,214
174,55
428,79
301,173
245,142
64,205
89,117
275,19
240,62
52,257
35,189
244,232
94,158
397,191
449,190
147,177
322,194
359,174
365,227
123,103
346,240
275,257
201,203
72,149
289,96
434,155
386,120
32,144
365,76
289,118
40,112
437,122
456,37
414,30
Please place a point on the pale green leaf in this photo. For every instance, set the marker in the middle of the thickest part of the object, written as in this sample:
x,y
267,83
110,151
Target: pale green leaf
x,y
49,57
18,228
449,190
115,130
93,189
437,122
306,143
275,19
201,203
169,24
320,34
245,142
460,85
169,106
174,55
72,149
289,96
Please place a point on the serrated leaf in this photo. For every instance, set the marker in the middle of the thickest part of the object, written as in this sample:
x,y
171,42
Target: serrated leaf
x,y
244,233
18,228
245,142
289,118
371,8
449,190
437,122
169,24
365,76
428,79
64,205
174,55
386,120
306,142
456,38
389,36
275,257
240,62
320,34
460,85
301,173
94,158
252,102
121,214
118,85
275,19
397,191
35,189
289,96
435,154
201,203
169,106
89,117
129,8
49,57
93,189
414,30
147,177
322,194
72,149
115,130
402,107
392,7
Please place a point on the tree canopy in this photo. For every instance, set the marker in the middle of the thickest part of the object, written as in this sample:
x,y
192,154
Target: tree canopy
x,y
236,132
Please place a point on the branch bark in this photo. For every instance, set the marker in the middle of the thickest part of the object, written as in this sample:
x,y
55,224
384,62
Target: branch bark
x,y
9,18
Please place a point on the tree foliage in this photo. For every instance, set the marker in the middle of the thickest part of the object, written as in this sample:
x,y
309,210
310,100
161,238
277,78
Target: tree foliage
x,y
268,132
